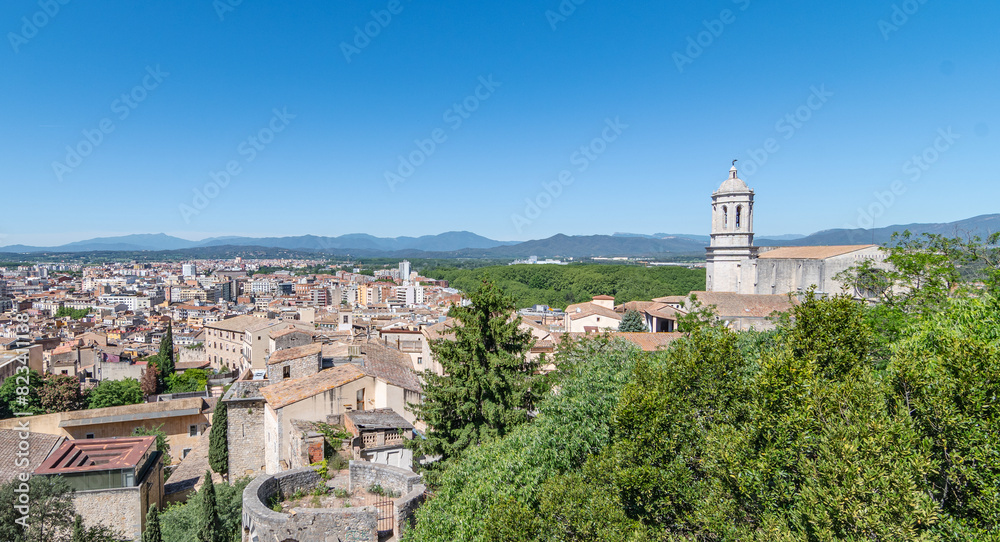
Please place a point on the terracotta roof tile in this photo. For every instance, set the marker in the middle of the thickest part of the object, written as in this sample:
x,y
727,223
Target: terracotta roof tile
x,y
811,253
292,391
297,352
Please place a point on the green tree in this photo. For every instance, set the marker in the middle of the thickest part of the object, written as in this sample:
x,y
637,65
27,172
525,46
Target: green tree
x,y
180,522
152,532
487,386
208,519
218,448
75,314
19,393
188,381
166,353
60,393
632,321
48,515
111,393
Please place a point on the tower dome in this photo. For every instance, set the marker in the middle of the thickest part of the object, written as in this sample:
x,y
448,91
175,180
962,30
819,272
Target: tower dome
x,y
733,183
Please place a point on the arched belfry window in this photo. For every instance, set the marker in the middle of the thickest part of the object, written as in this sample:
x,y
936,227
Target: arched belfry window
x,y
725,216
739,211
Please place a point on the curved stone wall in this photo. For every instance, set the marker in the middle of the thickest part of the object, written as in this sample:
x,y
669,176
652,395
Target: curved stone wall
x,y
261,524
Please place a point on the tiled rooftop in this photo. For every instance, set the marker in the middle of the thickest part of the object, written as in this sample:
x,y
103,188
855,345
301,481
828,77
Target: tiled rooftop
x,y
97,455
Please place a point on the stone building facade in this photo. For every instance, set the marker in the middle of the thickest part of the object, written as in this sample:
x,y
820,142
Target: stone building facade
x,y
245,429
735,265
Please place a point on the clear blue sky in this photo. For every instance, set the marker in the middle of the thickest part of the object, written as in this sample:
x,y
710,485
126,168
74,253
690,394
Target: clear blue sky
x,y
560,79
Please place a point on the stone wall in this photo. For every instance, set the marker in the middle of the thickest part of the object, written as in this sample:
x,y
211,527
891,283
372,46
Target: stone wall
x,y
189,355
260,523
298,368
118,509
245,434
406,508
365,474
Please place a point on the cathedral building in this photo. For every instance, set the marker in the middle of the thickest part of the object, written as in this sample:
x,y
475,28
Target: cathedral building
x,y
735,265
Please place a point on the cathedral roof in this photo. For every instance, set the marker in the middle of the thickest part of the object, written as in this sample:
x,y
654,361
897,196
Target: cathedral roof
x,y
813,252
733,183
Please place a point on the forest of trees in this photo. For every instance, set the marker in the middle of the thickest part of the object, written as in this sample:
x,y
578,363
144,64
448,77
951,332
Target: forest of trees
x,y
849,421
561,285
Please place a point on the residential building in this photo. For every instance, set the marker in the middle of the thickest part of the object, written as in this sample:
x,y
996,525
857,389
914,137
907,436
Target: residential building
x,y
114,480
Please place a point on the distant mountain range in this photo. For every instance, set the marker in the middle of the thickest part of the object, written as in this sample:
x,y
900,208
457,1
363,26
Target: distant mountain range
x,y
465,244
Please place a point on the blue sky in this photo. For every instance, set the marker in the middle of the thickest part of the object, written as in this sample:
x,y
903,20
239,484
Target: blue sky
x,y
868,86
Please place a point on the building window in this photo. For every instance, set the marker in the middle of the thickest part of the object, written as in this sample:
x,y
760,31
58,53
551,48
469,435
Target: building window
x,y
185,452
90,435
286,372
739,211
420,360
192,430
361,399
725,216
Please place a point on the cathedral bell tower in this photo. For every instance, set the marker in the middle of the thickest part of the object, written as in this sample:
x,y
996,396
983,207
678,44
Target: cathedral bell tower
x,y
731,254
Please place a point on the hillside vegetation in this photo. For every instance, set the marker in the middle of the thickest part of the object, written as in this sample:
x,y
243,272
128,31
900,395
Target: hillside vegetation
x,y
560,285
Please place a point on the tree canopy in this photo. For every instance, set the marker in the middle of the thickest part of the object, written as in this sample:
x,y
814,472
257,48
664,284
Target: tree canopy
x,y
561,285
487,387
847,422
111,393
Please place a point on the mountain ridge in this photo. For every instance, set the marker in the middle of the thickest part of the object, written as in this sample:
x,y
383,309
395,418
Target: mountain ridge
x,y
464,244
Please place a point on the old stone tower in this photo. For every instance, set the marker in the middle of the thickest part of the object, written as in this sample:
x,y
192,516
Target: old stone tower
x,y
731,250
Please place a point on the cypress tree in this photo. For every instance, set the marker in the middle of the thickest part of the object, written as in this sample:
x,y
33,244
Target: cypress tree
x,y
152,532
218,447
208,520
166,354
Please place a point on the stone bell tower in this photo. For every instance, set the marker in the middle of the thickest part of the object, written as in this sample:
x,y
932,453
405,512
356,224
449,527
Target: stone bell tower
x,y
731,253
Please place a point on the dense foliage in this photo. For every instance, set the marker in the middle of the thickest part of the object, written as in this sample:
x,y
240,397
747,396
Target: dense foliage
x,y
561,285
188,381
75,314
180,522
487,388
32,393
49,514
111,393
510,473
848,422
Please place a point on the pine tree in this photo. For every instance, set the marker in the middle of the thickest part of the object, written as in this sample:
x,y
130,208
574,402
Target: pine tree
x,y
152,532
632,321
488,383
218,447
208,520
166,354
